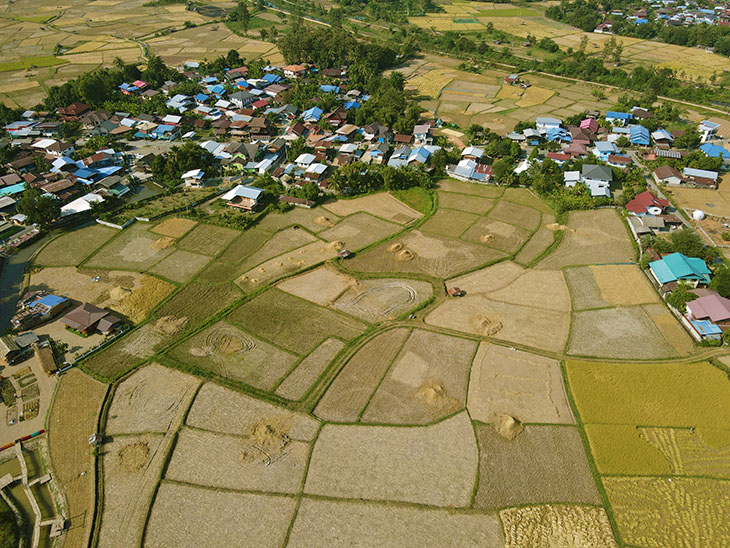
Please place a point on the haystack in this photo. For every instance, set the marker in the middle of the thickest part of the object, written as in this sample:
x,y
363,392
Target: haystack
x,y
508,426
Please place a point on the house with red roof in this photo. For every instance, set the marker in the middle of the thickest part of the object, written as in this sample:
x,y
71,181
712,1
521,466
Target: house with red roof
x,y
646,203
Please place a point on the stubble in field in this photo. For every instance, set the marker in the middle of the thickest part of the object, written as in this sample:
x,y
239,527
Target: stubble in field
x,y
522,385
358,231
383,298
350,392
449,222
623,285
426,382
72,418
296,384
223,410
174,227
464,202
430,465
381,205
321,286
71,248
184,515
557,525
542,464
340,523
181,266
148,400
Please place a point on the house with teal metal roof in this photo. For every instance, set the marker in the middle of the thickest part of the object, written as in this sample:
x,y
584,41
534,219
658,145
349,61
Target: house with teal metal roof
x,y
676,267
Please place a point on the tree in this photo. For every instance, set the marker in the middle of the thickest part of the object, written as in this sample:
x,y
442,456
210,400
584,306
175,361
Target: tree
x,y
618,49
39,208
688,242
623,142
296,147
241,15
680,297
721,282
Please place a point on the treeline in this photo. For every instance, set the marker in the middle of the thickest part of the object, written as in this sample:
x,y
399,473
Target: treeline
x,y
586,16
361,178
98,86
391,11
180,159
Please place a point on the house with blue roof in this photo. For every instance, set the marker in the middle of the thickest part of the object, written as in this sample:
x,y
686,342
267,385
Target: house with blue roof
x,y
201,98
604,149
271,78
618,118
165,132
351,104
37,309
218,89
242,197
678,267
12,190
87,176
639,135
558,134
312,115
715,151
209,80
399,157
662,136
329,89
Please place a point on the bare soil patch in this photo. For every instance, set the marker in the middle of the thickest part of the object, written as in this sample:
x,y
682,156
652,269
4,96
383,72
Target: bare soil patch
x,y
350,392
293,323
449,222
557,525
496,234
381,205
223,410
618,333
424,253
522,385
72,418
536,327
339,523
299,381
234,354
427,381
71,248
184,515
275,464
543,464
429,465
359,230
464,202
149,399
383,298
623,285
181,266
516,214
593,237
207,239
174,227
321,286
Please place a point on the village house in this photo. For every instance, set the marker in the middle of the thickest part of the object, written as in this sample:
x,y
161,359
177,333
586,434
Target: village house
x,y
667,175
676,267
707,316
242,197
88,318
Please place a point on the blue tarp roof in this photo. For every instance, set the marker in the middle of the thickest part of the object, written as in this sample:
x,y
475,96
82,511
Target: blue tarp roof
x,y
202,97
329,89
314,113
705,327
640,21
680,267
714,151
51,300
271,78
558,134
352,104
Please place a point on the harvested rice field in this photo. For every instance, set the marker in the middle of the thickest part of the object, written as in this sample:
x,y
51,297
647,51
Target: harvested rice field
x,y
557,525
321,286
136,248
681,512
359,230
181,266
382,299
149,399
523,325
497,234
510,382
72,248
418,252
433,465
426,382
315,220
196,302
627,333
449,222
592,237
207,239
539,464
301,379
381,205
72,417
464,202
292,323
349,394
174,227
185,515
349,523
243,246
233,354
